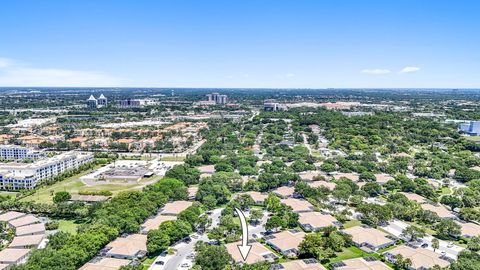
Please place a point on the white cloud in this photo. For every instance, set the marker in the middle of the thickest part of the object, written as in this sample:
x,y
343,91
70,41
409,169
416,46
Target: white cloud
x,y
5,62
13,74
409,70
376,71
289,75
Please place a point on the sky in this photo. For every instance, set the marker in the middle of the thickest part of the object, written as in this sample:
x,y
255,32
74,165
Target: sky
x,y
240,43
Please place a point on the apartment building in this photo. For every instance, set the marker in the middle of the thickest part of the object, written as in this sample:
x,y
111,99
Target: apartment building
x,y
28,175
13,152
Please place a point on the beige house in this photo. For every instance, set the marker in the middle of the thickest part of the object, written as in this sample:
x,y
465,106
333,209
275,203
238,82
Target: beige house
x,y
383,178
13,255
286,242
154,223
206,170
106,264
305,264
352,176
440,210
414,197
368,263
369,238
33,229
258,197
469,229
325,184
421,258
298,205
284,192
11,215
258,253
309,175
130,247
28,241
192,192
314,221
23,221
174,208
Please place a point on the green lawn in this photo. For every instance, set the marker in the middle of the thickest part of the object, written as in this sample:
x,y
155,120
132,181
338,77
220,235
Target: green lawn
x,y
75,185
472,138
67,226
351,223
349,253
171,158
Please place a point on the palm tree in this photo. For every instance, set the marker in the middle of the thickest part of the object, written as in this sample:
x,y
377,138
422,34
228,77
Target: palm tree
x,y
435,244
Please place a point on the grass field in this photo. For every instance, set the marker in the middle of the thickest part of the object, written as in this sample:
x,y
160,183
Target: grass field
x,y
67,226
472,138
349,253
351,223
171,158
75,185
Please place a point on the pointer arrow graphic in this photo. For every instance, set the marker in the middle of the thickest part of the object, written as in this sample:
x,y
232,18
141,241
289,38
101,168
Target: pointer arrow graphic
x,y
244,248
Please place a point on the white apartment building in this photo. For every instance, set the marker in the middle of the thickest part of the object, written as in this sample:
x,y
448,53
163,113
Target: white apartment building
x,y
12,152
28,175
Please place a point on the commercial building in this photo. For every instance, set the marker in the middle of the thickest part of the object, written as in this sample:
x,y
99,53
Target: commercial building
x,y
271,105
471,128
369,238
135,103
217,98
12,152
14,176
421,258
286,242
102,101
92,102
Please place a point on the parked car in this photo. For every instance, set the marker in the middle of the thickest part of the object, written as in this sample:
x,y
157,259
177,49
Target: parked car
x,y
160,262
425,245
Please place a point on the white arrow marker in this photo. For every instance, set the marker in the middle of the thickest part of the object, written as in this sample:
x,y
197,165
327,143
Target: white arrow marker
x,y
244,248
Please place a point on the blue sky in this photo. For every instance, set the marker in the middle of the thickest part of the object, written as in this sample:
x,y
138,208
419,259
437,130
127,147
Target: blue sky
x,y
240,43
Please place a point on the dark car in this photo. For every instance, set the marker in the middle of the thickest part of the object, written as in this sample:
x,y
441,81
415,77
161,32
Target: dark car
x,y
160,262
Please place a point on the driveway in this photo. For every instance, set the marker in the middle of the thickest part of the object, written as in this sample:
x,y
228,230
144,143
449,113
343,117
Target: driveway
x,y
184,249
396,227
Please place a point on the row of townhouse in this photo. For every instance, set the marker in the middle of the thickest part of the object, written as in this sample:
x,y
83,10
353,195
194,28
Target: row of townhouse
x,y
28,175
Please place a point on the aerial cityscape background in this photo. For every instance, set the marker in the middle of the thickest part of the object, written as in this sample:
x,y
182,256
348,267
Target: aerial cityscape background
x,y
239,135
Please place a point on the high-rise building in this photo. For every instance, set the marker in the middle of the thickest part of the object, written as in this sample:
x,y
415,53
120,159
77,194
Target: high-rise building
x,y
92,102
102,101
217,98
